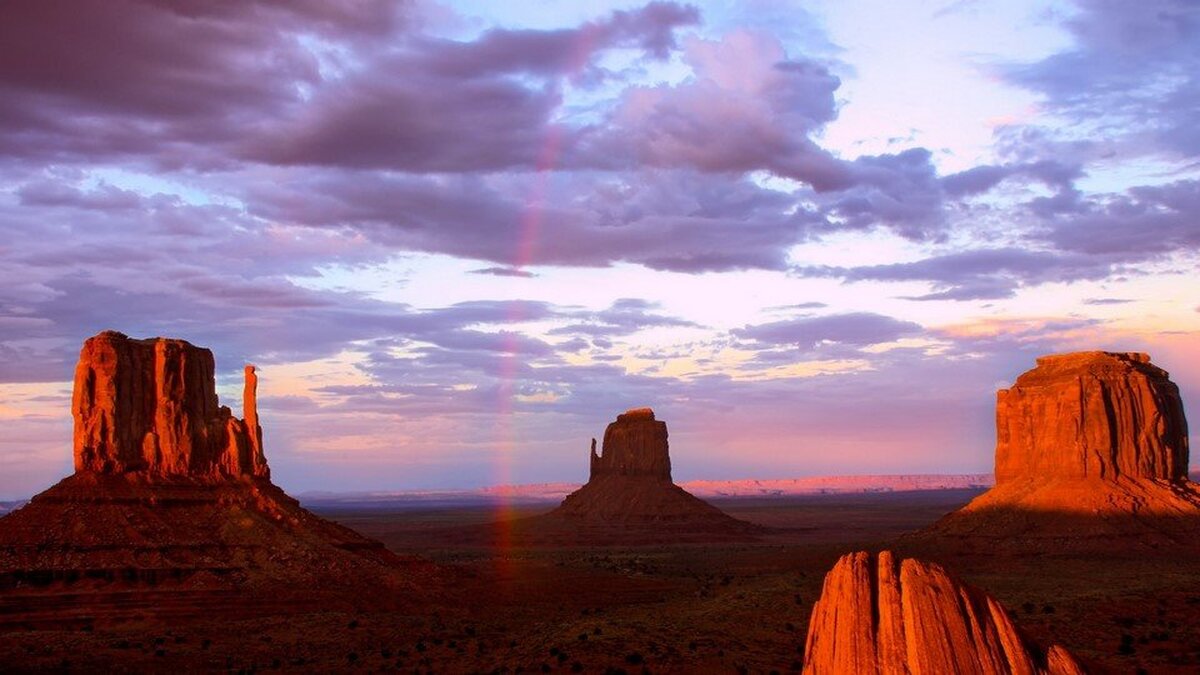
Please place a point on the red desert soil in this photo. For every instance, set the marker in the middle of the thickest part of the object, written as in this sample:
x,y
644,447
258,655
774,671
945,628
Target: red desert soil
x,y
500,603
672,608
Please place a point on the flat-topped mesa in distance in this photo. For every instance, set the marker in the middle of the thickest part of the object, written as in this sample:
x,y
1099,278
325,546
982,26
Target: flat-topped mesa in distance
x,y
1092,453
151,406
878,614
634,445
1106,415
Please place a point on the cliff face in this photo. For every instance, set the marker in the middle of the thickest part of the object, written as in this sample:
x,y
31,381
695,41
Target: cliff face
x,y
1091,454
880,615
151,406
1091,415
157,501
634,445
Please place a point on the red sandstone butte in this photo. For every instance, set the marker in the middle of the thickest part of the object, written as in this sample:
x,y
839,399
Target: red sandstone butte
x,y
1091,415
881,615
634,445
1091,449
171,500
630,482
151,405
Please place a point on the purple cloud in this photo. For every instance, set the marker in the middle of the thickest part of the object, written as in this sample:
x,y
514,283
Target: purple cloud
x,y
1132,74
857,329
159,80
626,316
449,106
978,274
505,272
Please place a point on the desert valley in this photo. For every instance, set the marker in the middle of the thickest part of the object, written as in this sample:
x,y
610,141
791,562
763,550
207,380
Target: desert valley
x,y
170,549
831,337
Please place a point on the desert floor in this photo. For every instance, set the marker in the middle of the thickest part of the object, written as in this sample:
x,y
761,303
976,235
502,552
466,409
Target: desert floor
x,y
737,607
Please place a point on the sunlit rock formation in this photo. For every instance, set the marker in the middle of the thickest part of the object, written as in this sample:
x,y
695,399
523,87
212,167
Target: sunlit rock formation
x,y
878,614
151,405
1091,415
1091,449
172,492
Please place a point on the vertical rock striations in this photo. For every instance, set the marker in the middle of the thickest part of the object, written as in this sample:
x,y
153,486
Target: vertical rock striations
x,y
151,406
880,615
171,491
1092,451
1091,415
634,445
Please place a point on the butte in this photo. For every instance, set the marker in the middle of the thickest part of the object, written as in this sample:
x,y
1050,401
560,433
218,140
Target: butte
x,y
905,617
171,510
630,497
1091,454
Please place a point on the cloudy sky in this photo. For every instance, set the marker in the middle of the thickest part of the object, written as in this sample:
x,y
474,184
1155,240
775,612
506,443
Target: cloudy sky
x,y
459,237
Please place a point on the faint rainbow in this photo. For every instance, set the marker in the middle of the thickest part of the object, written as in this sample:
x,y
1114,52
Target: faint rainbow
x,y
529,230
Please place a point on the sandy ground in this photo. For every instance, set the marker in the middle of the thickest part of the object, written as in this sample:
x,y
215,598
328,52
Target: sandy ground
x,y
737,607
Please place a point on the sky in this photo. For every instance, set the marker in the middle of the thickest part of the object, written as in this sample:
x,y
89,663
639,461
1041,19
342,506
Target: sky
x,y
458,238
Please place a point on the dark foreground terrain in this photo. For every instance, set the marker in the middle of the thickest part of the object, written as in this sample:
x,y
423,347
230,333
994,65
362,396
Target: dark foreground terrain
x,y
741,606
